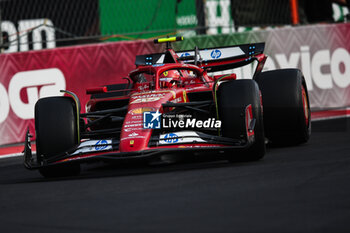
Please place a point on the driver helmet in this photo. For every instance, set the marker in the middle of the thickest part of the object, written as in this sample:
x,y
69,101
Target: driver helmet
x,y
169,78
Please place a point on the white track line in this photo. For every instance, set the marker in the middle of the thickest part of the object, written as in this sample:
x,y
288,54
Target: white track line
x,y
11,155
330,118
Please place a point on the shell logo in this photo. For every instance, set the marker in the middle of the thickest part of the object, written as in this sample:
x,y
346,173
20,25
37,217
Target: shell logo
x,y
141,110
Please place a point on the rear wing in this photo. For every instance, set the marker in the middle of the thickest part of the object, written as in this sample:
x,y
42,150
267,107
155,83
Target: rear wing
x,y
215,58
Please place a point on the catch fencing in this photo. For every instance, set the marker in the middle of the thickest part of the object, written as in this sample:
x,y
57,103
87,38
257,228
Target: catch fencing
x,y
39,24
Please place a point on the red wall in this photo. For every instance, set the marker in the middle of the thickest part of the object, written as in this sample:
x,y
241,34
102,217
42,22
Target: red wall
x,y
82,67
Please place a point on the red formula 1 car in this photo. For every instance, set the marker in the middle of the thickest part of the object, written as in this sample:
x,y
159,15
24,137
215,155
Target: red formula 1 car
x,y
172,105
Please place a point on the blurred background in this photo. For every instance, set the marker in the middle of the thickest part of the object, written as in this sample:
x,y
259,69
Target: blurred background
x,y
38,24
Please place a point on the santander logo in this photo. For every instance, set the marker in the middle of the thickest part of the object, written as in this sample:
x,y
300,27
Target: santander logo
x,y
25,88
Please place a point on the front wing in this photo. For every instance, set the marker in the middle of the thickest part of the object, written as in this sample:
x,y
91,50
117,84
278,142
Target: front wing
x,y
109,152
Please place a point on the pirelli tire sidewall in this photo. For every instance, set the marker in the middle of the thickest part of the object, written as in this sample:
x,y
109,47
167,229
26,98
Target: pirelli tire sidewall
x,y
56,132
286,106
233,97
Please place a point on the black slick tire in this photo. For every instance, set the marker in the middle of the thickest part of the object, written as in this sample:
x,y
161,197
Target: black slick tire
x,y
287,115
233,98
56,132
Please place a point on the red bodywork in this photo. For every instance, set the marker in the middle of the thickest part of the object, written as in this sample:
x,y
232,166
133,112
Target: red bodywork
x,y
133,120
150,95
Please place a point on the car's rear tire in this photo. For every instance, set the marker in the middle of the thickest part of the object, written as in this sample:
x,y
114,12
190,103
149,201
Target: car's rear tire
x,y
287,116
56,132
233,98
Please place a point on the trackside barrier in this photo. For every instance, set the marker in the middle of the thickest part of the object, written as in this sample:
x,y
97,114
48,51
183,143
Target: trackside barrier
x,y
321,52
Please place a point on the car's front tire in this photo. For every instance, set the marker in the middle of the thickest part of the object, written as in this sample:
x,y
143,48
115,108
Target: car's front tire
x,y
56,128
233,98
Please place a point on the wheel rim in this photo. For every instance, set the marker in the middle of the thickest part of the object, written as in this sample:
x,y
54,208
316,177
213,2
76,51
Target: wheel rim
x,y
305,106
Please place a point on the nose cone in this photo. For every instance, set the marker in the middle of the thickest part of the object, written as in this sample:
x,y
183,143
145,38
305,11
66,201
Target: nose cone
x,y
145,108
134,137
135,141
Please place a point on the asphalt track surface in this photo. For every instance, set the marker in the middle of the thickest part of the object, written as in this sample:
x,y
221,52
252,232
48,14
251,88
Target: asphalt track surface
x,y
293,189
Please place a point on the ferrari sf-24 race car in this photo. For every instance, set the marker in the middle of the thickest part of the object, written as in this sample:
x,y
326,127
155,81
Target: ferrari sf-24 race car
x,y
172,104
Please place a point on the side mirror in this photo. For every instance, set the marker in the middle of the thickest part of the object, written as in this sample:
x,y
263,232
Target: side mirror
x,y
129,81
